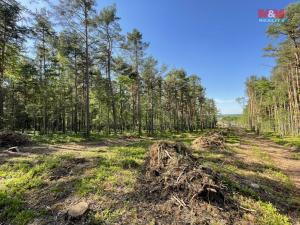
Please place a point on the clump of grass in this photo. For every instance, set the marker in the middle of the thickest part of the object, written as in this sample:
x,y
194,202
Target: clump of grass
x,y
56,138
88,185
262,156
284,140
61,138
21,178
294,201
117,170
24,175
137,151
231,168
235,187
129,164
210,155
14,211
270,215
106,216
280,176
232,139
265,213
139,146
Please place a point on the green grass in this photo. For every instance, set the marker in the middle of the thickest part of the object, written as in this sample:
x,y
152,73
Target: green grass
x,y
13,210
280,176
284,140
56,138
263,156
106,216
232,139
60,138
236,187
19,179
270,215
22,175
289,141
267,214
117,169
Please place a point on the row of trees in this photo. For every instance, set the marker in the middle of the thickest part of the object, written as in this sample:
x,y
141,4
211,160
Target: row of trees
x,y
81,73
274,103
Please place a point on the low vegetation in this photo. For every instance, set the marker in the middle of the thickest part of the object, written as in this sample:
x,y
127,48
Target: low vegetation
x,y
289,141
108,175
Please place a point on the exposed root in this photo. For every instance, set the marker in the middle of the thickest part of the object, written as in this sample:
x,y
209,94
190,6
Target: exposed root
x,y
213,140
173,173
177,187
9,139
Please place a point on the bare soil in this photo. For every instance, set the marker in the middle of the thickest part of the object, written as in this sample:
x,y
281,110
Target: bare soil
x,y
280,155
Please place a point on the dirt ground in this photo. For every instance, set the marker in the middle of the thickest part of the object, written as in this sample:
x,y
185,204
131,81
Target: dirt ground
x,y
280,155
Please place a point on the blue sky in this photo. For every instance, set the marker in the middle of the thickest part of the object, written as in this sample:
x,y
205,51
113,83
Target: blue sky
x,y
219,40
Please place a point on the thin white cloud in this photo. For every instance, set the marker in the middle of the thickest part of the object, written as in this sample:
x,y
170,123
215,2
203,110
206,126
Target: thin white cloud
x,y
224,101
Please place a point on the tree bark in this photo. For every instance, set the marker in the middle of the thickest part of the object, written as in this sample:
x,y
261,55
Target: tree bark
x,y
86,75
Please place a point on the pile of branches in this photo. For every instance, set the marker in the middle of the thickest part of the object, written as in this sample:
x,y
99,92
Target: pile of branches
x,y
9,139
225,131
173,174
214,140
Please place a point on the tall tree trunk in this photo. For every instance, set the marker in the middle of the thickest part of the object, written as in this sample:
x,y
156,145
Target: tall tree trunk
x,y
112,96
45,99
121,108
138,90
2,69
87,82
133,92
1,96
152,112
76,96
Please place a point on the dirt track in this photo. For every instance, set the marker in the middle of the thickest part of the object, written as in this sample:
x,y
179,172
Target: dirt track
x,y
280,155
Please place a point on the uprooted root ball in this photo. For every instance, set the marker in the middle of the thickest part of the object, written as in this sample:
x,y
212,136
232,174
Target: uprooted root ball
x,y
9,138
210,141
174,174
175,189
164,154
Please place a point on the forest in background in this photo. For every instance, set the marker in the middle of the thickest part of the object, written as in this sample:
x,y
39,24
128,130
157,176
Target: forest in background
x,y
70,68
274,103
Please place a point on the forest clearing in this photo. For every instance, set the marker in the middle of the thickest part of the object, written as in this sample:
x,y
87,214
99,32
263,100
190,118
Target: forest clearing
x,y
95,129
258,178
